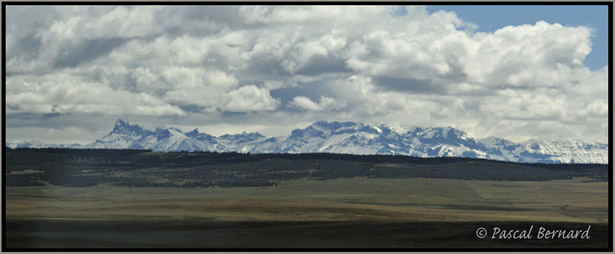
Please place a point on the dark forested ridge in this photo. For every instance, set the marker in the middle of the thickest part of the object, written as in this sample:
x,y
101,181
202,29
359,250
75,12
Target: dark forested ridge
x,y
140,168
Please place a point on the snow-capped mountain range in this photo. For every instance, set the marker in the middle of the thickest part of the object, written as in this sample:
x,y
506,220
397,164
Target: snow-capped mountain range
x,y
349,138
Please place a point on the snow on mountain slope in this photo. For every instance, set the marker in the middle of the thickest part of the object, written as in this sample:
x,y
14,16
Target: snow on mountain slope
x,y
38,144
568,151
27,144
123,135
350,138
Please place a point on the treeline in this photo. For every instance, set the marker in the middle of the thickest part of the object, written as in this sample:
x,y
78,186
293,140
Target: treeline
x,y
119,153
140,168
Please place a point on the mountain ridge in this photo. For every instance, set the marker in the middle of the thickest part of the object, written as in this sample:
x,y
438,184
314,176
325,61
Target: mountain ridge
x,y
349,138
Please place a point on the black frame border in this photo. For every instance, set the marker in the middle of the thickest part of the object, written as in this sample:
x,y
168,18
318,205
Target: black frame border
x,y
610,131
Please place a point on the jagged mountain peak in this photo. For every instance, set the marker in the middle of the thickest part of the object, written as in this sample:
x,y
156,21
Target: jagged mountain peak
x,y
121,125
244,134
193,132
332,125
120,122
161,133
395,127
325,129
344,127
176,129
124,128
351,138
441,135
444,131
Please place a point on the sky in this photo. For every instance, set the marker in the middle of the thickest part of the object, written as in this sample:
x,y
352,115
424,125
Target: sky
x,y
490,18
514,72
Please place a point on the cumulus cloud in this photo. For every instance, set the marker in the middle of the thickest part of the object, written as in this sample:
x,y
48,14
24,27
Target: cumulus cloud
x,y
325,104
355,63
58,93
250,98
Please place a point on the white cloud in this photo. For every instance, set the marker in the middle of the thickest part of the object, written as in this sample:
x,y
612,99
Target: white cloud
x,y
273,84
303,102
58,93
184,77
325,104
369,63
535,55
250,98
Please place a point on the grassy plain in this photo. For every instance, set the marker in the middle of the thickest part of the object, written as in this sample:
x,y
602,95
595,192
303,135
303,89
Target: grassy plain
x,y
138,199
405,199
340,213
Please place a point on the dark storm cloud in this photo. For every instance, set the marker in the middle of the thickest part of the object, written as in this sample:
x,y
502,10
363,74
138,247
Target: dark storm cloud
x,y
51,120
224,15
408,85
191,108
267,66
322,64
235,115
86,51
28,46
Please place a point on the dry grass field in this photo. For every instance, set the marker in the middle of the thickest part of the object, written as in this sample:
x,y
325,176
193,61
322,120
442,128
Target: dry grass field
x,y
68,198
346,199
340,213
